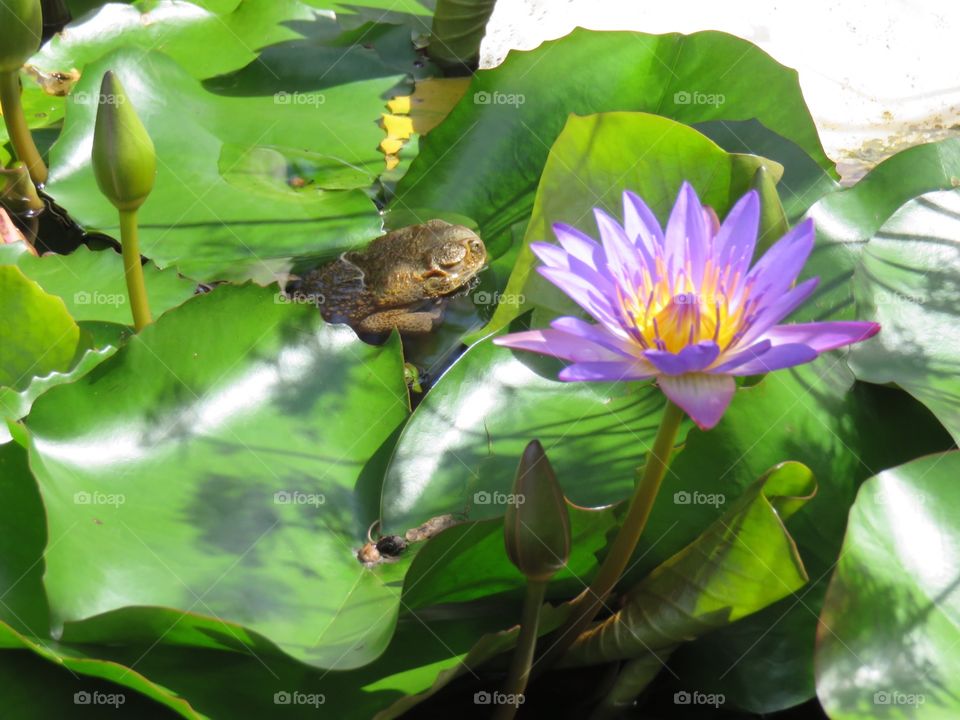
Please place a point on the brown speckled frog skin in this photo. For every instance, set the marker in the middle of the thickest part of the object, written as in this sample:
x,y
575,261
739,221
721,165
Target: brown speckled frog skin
x,y
399,280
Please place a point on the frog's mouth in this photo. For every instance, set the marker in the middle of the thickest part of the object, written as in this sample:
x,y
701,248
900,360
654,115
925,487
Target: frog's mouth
x,y
466,288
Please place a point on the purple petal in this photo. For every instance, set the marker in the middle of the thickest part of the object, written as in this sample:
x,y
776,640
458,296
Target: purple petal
x,y
622,257
581,246
597,334
640,224
703,397
711,221
781,264
777,310
552,256
586,294
740,358
605,372
686,239
737,238
822,336
692,358
559,344
777,358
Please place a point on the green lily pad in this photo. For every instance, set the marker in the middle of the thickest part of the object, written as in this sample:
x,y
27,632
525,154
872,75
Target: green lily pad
x,y
499,134
23,604
908,280
207,41
803,182
265,170
93,290
221,684
15,404
459,450
39,336
847,219
887,644
92,285
324,54
197,218
208,475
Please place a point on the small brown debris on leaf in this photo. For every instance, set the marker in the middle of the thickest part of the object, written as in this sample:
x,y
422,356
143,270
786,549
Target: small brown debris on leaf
x,y
431,527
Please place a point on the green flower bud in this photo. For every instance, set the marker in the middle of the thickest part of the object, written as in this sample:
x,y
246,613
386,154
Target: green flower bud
x,y
536,527
124,160
21,28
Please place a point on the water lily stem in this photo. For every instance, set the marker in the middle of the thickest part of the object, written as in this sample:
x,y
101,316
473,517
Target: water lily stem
x,y
523,654
586,605
17,129
133,269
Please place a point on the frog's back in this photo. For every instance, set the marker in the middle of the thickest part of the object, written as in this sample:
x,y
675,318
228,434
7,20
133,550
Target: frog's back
x,y
340,290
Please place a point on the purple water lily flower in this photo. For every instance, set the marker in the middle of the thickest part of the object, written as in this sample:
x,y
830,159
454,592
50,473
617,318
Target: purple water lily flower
x,y
682,305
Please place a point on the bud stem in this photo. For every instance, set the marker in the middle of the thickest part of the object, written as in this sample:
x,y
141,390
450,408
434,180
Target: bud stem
x,y
133,270
585,606
17,129
522,659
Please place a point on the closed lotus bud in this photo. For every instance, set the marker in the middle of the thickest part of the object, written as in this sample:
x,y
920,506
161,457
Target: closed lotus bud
x,y
21,27
536,527
124,160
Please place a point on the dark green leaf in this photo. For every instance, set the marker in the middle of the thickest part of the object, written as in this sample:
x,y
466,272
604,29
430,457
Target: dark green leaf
x,y
84,687
498,136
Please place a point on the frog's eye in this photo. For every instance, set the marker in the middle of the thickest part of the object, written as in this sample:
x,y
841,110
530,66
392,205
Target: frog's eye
x,y
450,254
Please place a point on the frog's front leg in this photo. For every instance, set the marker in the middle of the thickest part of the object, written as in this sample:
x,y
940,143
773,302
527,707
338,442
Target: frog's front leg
x,y
406,321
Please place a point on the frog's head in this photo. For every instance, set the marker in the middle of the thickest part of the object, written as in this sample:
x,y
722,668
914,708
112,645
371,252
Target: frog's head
x,y
452,256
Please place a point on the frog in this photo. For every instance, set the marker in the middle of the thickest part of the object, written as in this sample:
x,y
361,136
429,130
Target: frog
x,y
401,280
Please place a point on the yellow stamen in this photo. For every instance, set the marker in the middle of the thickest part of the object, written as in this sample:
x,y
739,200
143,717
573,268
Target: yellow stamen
x,y
668,318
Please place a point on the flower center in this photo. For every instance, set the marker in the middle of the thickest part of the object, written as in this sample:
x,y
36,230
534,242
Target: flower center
x,y
670,316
